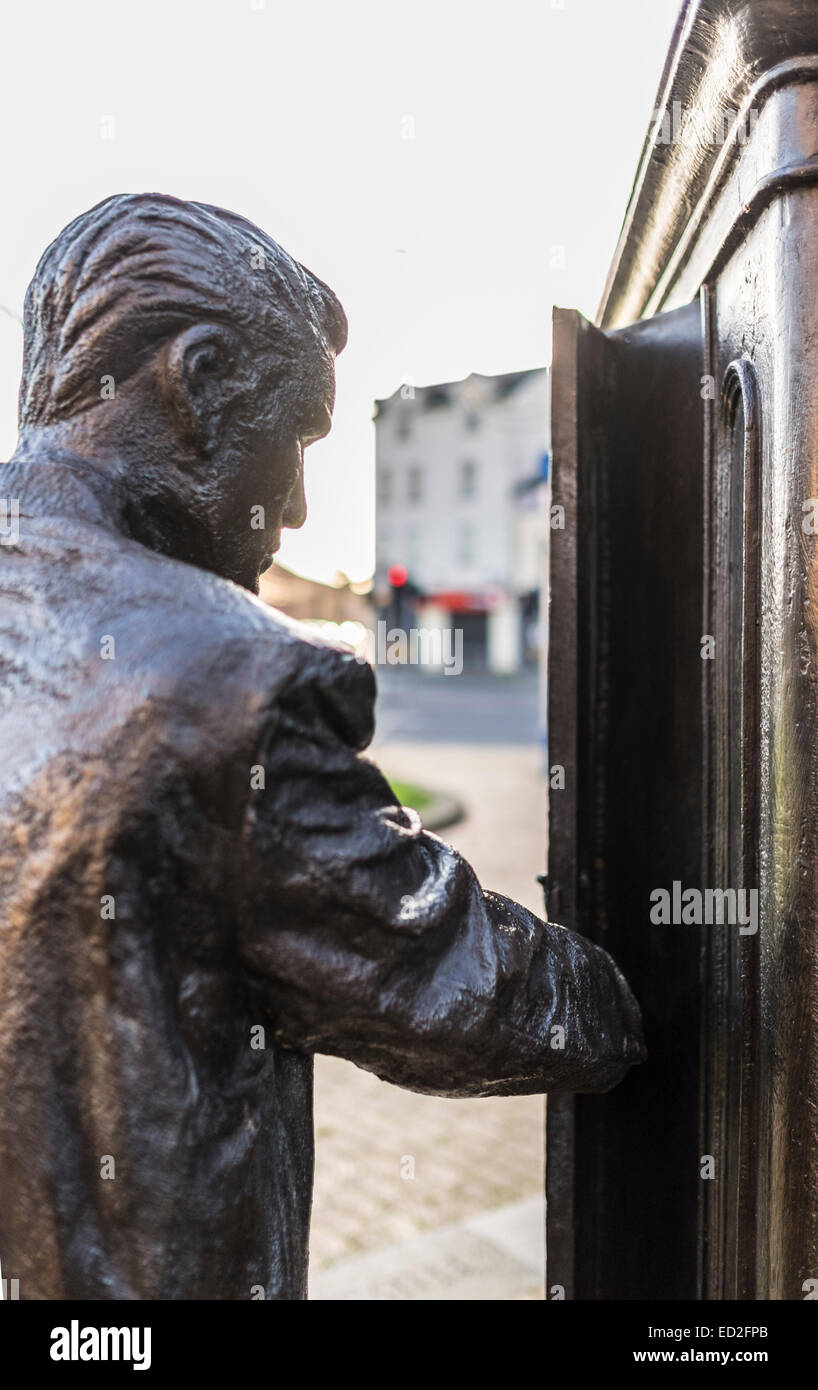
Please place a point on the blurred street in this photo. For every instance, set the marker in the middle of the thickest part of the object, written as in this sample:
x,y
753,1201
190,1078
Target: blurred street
x,y
472,708
418,1197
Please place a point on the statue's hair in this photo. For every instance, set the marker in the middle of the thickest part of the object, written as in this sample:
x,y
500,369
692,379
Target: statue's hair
x,y
139,268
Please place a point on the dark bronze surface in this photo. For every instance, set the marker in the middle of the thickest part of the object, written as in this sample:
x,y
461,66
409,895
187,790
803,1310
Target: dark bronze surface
x,y
158,901
729,60
717,456
625,721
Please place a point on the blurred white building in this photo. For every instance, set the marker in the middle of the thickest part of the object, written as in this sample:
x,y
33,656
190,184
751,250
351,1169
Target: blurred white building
x,y
462,511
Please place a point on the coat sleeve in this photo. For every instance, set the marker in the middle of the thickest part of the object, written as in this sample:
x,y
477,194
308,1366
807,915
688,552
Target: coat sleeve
x,y
371,939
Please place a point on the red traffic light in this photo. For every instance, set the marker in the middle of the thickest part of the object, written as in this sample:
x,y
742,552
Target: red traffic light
x,y
397,576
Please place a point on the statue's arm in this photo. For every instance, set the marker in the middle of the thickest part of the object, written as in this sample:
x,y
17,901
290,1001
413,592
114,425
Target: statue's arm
x,y
372,940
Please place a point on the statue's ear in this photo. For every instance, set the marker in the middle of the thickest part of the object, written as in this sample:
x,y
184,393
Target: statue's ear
x,y
200,380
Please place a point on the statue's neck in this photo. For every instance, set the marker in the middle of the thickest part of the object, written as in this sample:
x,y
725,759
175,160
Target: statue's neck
x,y
53,481
48,479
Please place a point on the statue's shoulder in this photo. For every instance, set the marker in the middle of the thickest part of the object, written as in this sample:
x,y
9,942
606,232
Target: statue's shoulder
x,y
210,634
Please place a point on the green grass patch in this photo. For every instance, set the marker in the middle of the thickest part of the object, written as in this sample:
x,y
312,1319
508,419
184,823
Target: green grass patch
x,y
417,798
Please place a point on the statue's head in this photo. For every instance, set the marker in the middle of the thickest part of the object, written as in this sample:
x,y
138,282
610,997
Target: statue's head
x,y
177,345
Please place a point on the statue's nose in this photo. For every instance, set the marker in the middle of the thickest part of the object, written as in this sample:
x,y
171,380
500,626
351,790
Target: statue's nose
x,y
295,510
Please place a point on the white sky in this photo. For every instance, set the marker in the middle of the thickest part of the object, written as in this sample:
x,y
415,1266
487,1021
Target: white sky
x,y
528,123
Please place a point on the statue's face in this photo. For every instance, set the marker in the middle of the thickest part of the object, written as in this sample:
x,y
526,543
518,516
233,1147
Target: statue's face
x,y
263,456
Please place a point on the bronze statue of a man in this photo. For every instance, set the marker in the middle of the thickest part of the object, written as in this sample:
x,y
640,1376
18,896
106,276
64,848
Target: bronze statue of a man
x,y
202,882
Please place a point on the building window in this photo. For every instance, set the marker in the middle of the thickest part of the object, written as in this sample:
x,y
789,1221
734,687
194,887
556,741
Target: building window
x,y
472,421
415,483
468,479
385,486
414,550
466,544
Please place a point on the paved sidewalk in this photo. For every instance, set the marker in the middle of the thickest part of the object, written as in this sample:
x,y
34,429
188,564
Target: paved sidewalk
x,y
497,1255
403,1182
